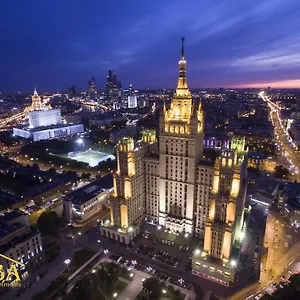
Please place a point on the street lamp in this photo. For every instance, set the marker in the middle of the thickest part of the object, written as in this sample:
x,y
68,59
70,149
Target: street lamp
x,y
67,262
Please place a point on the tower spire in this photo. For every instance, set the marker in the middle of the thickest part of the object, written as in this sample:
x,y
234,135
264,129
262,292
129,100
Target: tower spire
x,y
182,84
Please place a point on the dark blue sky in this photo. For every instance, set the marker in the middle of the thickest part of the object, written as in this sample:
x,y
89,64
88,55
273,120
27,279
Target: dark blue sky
x,y
54,44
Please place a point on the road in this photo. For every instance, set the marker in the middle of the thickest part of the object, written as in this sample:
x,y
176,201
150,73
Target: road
x,y
4,122
279,259
284,143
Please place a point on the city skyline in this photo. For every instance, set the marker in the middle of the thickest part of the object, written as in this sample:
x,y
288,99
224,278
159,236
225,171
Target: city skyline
x,y
238,45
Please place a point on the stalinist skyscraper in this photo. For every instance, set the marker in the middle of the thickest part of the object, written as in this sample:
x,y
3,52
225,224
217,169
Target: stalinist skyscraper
x,y
170,184
180,151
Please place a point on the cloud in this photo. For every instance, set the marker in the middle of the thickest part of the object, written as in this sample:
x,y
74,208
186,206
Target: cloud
x,y
227,41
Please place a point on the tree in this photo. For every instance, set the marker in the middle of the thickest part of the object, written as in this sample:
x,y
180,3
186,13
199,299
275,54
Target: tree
x,y
113,270
281,172
254,171
153,288
47,223
86,176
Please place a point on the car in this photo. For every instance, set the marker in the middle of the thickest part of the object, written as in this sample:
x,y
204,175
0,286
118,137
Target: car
x,y
273,284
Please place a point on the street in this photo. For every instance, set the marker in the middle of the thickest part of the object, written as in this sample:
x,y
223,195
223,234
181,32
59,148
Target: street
x,y
284,143
279,260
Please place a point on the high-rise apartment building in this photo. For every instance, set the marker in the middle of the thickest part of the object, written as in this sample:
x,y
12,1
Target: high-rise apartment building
x,y
36,101
169,183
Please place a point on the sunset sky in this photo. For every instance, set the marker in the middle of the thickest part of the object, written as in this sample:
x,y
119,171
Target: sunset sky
x,y
53,44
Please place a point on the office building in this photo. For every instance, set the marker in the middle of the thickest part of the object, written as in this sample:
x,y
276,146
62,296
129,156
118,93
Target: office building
x,y
92,89
45,123
39,118
82,204
48,132
113,87
132,101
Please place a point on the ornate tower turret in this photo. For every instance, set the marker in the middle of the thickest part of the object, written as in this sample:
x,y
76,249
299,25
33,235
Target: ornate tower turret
x,y
36,101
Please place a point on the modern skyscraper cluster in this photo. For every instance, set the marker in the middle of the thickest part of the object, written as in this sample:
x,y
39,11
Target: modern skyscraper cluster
x,y
172,185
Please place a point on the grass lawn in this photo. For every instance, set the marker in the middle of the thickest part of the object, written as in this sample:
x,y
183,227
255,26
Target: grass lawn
x,y
173,294
141,295
120,286
80,257
123,270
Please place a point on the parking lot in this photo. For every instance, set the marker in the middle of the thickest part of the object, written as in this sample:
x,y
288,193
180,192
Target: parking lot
x,y
162,277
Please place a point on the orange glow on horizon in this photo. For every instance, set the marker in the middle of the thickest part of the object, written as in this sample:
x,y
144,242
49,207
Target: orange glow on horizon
x,y
282,84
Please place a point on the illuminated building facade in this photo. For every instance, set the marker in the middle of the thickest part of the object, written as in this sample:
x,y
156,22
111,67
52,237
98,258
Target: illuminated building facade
x,y
170,184
132,101
128,201
45,123
180,151
36,101
44,118
223,229
19,242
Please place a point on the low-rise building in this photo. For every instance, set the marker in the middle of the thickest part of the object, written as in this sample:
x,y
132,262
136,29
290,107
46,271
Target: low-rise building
x,y
19,242
257,160
85,202
263,192
48,132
